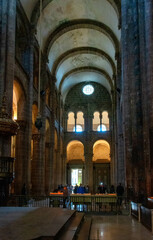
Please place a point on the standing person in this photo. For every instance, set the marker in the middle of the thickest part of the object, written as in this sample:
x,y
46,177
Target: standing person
x,y
76,189
112,189
65,196
80,189
120,192
24,190
23,200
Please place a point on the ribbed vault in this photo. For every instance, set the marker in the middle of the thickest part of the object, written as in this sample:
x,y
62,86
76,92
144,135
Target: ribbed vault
x,y
80,39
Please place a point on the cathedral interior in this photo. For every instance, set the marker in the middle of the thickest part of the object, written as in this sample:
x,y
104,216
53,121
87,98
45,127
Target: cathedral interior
x,y
76,95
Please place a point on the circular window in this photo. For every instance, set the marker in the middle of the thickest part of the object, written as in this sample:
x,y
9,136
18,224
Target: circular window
x,y
88,89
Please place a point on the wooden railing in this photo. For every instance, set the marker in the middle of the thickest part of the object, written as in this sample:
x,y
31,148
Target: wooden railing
x,y
144,213
80,202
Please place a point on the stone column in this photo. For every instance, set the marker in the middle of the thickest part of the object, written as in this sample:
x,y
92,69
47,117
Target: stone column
x,y
21,158
65,122
37,168
75,118
148,93
101,121
64,167
47,168
127,75
88,177
52,125
7,59
7,47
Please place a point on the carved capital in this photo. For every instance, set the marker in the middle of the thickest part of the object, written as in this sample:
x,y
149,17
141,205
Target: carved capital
x,y
22,124
36,137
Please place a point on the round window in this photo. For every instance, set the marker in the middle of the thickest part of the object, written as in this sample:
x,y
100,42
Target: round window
x,y
88,89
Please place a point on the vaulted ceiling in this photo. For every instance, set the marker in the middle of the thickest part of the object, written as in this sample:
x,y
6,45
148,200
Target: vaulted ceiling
x,y
81,39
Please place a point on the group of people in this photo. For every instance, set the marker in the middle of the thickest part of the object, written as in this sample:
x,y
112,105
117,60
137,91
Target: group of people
x,y
119,190
77,189
81,189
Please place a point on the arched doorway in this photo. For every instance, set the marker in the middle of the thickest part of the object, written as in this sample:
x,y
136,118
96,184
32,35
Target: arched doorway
x,y
75,163
101,164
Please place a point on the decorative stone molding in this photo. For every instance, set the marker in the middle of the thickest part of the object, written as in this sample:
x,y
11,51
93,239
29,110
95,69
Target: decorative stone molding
x,y
7,125
36,137
22,124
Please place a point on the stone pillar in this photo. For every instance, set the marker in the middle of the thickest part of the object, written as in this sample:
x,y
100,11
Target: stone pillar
x,y
64,168
132,68
29,111
88,177
65,122
75,118
88,117
52,125
37,167
47,168
148,93
21,158
7,47
7,58
101,121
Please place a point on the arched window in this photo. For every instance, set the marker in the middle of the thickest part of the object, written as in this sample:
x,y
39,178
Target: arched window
x,y
96,121
101,128
80,121
70,122
78,128
105,119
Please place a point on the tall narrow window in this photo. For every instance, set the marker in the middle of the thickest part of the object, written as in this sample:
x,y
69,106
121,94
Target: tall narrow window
x,y
80,121
105,120
70,122
96,121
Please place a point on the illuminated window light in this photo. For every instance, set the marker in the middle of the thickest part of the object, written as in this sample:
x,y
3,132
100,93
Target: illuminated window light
x,y
88,89
78,128
101,128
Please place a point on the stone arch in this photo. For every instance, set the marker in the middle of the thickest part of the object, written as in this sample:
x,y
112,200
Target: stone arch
x,y
75,151
36,11
80,23
101,151
89,69
19,101
81,50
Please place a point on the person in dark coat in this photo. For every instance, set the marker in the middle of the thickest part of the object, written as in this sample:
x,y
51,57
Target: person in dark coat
x,y
112,189
24,189
120,192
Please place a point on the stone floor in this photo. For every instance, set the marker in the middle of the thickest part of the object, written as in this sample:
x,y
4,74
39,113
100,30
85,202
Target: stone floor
x,y
118,227
24,223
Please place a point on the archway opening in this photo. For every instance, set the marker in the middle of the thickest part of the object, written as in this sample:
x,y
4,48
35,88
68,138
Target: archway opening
x,y
101,163
75,162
